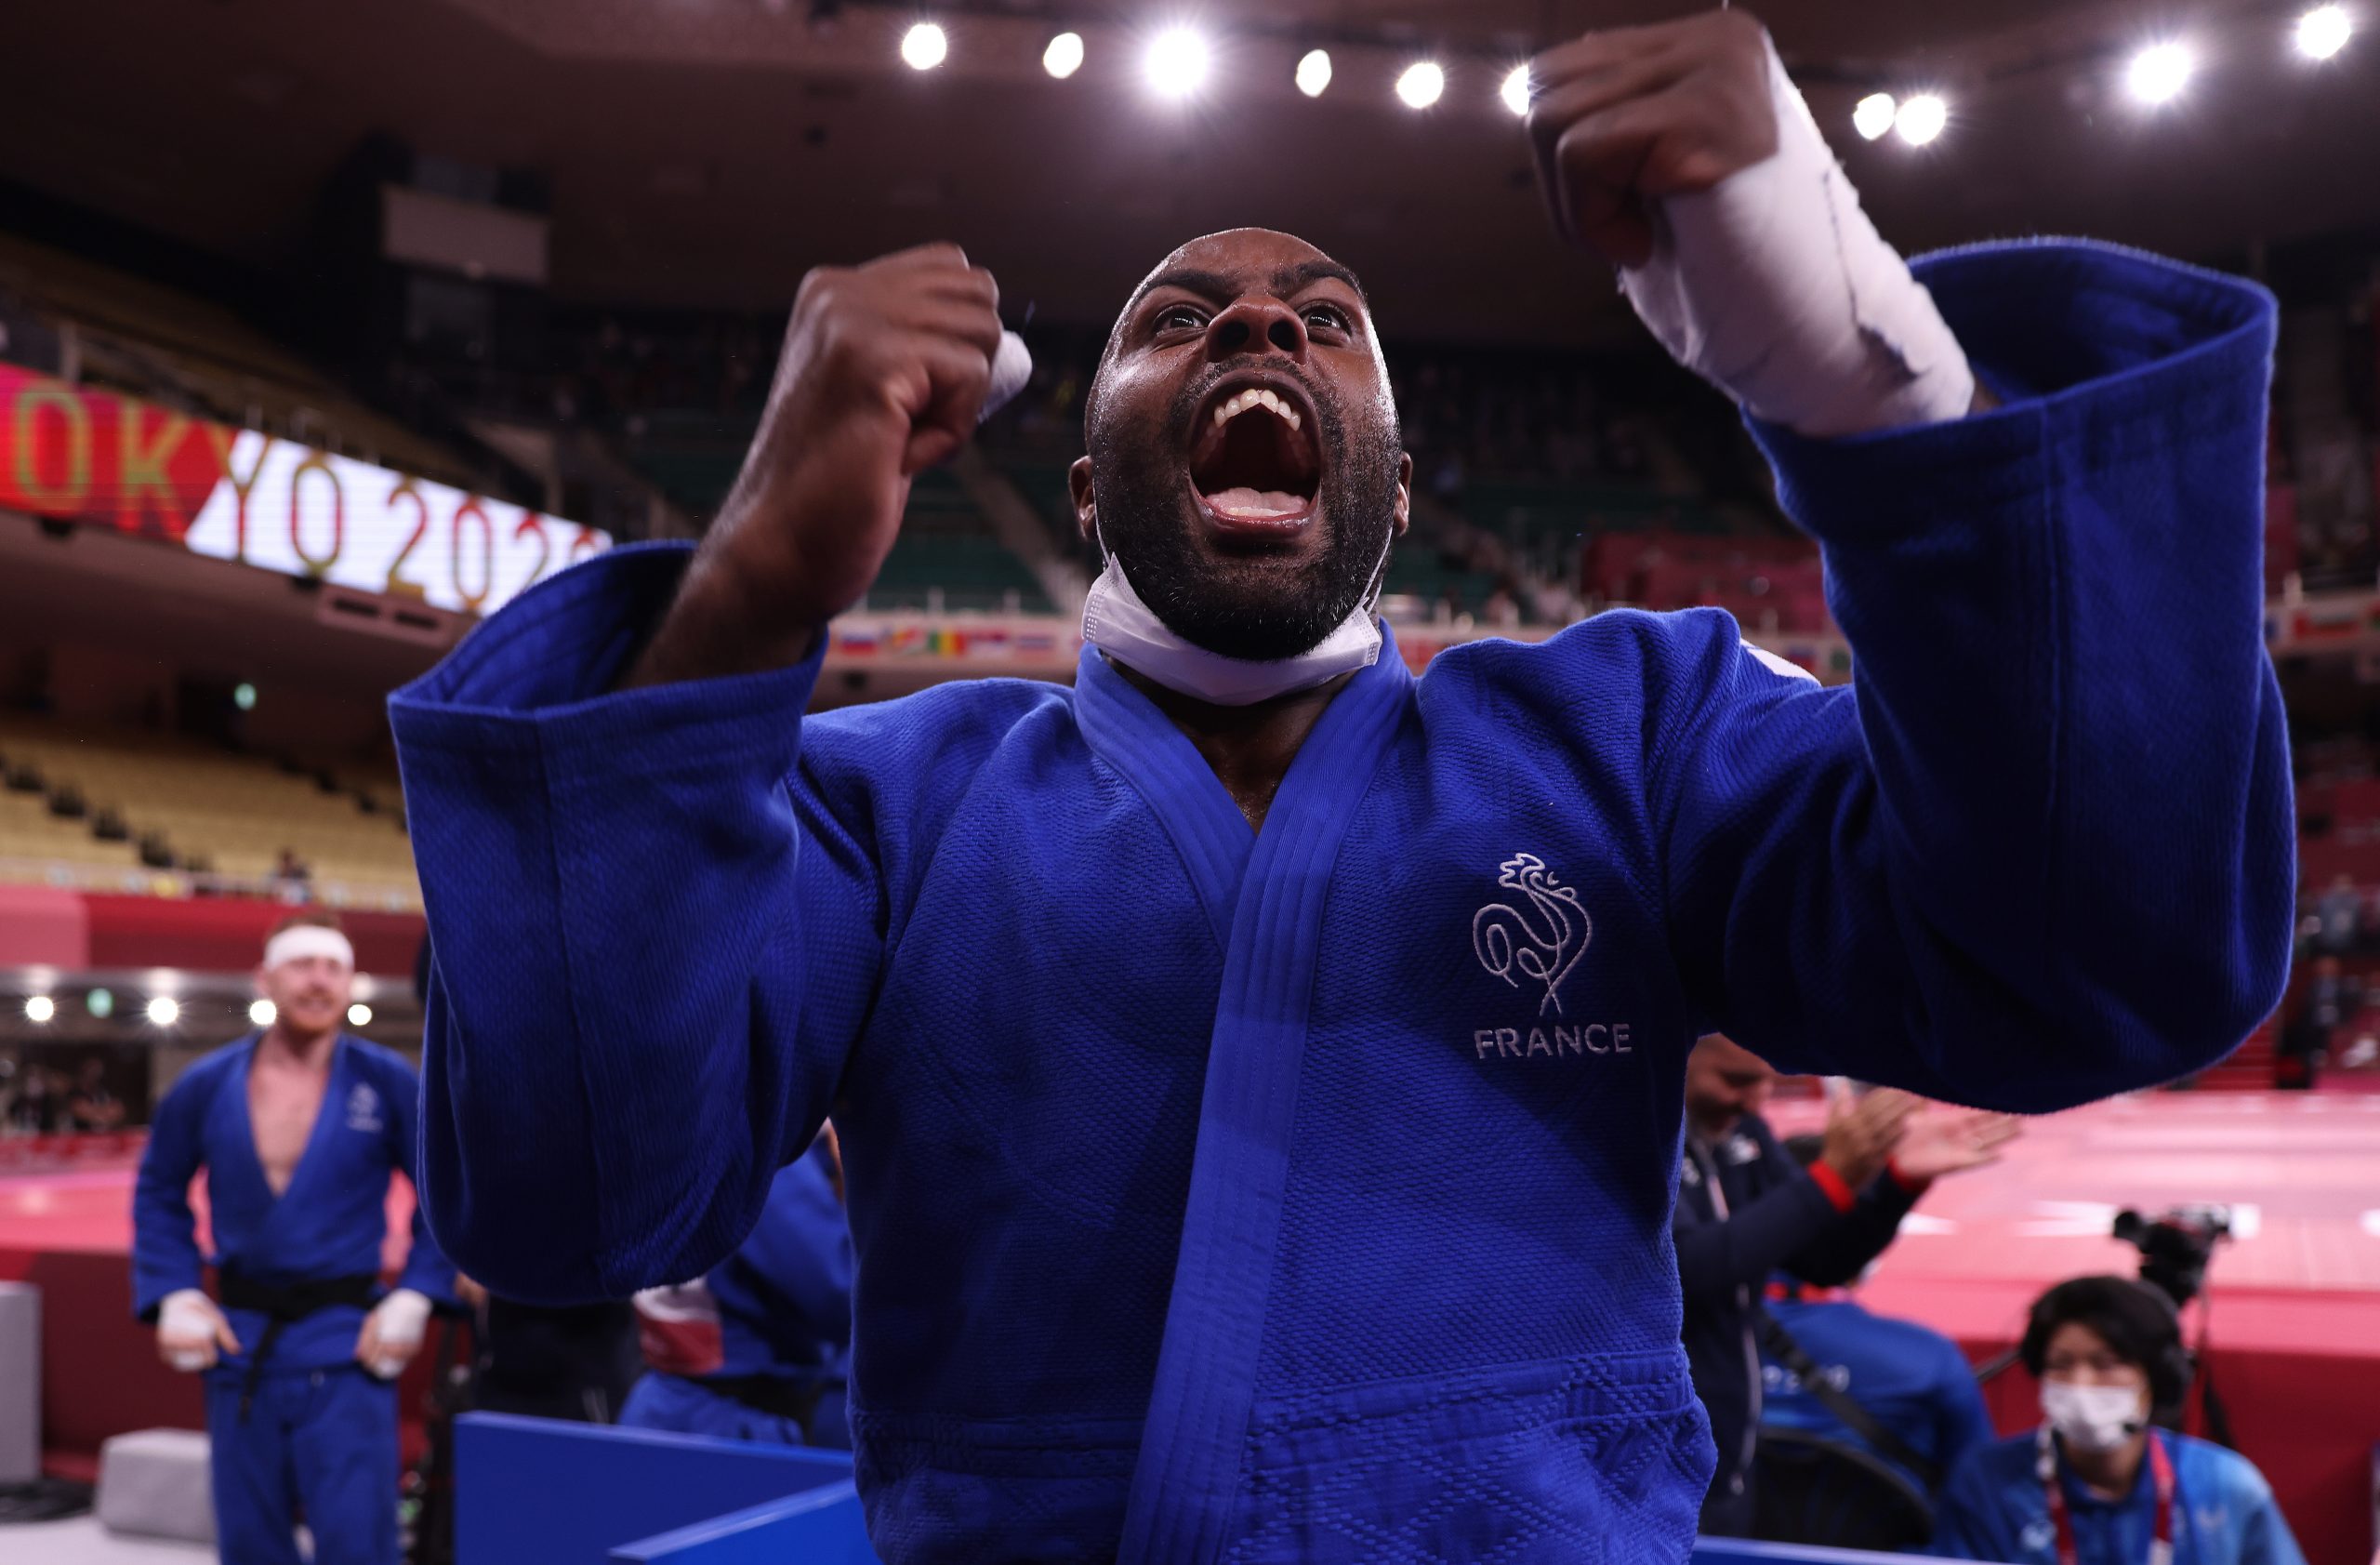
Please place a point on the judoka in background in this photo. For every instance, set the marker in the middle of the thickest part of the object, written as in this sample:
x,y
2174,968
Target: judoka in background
x,y
759,1348
298,1129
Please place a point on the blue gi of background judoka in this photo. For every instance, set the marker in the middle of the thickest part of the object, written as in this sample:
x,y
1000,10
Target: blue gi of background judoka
x,y
1303,1193
1911,1379
293,1418
758,1350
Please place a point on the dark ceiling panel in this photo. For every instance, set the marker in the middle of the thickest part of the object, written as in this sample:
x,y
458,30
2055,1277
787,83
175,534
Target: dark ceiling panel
x,y
708,151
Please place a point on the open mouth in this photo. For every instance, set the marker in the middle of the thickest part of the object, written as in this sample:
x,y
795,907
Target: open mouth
x,y
1254,460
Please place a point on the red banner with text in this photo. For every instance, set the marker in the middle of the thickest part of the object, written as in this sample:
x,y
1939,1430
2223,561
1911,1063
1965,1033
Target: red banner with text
x,y
109,460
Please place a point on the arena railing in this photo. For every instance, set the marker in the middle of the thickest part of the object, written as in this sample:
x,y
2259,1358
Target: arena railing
x,y
142,880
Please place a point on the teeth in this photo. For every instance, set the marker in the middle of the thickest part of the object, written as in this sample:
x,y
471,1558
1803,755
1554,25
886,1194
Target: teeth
x,y
1257,397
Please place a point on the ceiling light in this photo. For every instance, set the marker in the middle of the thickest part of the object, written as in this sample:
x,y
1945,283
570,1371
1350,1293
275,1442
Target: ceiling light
x,y
100,1003
1515,92
1314,72
2158,73
1063,57
1874,116
1422,83
165,1010
359,1015
1922,119
40,1008
262,1012
2323,30
924,46
1176,62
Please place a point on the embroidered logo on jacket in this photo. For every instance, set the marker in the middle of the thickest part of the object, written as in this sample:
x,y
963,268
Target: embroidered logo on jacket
x,y
1539,935
363,1109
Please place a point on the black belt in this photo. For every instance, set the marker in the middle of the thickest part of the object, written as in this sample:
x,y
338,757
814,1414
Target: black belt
x,y
283,1302
775,1395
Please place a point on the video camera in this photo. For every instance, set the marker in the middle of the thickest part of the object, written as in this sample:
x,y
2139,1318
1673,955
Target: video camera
x,y
2175,1246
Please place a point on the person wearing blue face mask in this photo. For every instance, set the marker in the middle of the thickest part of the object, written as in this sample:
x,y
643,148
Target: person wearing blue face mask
x,y
2098,1482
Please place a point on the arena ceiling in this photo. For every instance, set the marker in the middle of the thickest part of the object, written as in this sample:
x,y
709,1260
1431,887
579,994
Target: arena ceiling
x,y
707,152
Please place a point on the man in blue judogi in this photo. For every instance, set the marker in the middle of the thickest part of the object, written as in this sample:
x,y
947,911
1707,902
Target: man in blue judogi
x,y
299,1128
1258,1069
758,1350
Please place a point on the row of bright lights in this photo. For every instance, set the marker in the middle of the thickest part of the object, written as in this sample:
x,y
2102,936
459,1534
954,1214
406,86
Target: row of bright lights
x,y
2155,76
1175,63
164,1009
1176,60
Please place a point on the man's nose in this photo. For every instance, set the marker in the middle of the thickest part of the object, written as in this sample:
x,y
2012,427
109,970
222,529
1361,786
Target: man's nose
x,y
1258,325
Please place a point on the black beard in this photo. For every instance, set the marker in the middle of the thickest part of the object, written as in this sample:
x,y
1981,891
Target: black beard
x,y
1147,518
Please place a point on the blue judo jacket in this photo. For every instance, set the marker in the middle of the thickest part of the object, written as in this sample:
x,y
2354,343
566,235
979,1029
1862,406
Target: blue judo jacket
x,y
329,1223
1304,1194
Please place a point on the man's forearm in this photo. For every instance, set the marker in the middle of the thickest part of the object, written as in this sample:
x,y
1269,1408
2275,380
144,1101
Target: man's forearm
x,y
715,627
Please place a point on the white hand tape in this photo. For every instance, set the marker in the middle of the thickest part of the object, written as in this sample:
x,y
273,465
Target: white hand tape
x,y
188,1314
1012,367
1774,287
398,1319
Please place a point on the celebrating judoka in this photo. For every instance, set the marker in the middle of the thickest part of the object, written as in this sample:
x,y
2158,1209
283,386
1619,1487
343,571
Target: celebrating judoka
x,y
297,1128
1259,1068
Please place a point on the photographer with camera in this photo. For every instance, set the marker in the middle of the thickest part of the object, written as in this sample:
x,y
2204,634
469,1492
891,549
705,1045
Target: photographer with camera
x,y
2098,1483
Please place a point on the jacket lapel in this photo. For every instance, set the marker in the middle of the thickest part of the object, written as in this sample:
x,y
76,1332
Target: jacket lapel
x,y
1186,1480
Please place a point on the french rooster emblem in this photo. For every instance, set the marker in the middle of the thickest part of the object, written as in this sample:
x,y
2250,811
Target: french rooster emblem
x,y
1541,938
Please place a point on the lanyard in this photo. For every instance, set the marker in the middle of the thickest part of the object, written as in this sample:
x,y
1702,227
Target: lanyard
x,y
2160,1468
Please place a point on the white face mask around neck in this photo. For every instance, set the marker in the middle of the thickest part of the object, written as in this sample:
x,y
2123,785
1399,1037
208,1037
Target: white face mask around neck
x,y
1120,624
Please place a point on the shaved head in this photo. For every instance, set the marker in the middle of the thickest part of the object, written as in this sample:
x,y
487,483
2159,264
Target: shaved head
x,y
1249,536
1724,1082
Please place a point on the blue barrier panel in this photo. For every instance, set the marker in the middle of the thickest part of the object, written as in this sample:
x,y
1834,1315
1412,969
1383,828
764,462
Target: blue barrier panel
x,y
824,1527
1742,1551
538,1492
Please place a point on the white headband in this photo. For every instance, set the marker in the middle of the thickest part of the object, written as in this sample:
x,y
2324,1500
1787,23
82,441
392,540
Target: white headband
x,y
309,940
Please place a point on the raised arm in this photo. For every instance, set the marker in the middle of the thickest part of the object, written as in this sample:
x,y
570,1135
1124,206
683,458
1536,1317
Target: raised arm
x,y
2042,849
652,943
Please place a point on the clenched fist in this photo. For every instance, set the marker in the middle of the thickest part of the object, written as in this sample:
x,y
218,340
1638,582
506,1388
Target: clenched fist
x,y
883,369
1621,118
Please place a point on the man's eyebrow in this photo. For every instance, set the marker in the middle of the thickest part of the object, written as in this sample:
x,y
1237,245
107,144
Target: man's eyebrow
x,y
1293,279
1219,288
1213,285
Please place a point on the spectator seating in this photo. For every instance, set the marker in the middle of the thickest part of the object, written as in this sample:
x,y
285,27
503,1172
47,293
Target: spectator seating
x,y
210,809
31,837
946,557
1043,484
1537,513
155,341
1772,582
